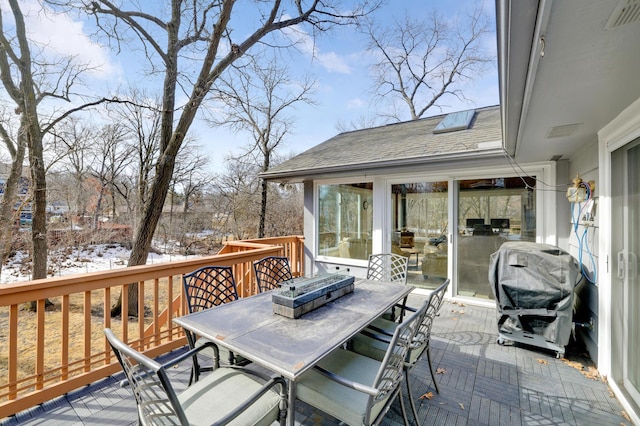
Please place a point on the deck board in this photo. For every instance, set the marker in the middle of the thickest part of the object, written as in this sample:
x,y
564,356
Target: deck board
x,y
482,383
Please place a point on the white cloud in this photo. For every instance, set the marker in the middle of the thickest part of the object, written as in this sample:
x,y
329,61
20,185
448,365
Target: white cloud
x,y
356,103
331,61
61,36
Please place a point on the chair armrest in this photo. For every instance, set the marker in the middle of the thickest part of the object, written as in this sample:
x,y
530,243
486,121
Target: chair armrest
x,y
273,381
407,308
125,382
369,390
191,353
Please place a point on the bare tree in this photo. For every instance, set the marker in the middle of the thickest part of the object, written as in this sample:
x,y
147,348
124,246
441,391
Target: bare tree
x,y
422,60
190,179
192,47
285,213
238,193
141,117
190,175
29,77
110,158
72,143
362,122
258,100
16,146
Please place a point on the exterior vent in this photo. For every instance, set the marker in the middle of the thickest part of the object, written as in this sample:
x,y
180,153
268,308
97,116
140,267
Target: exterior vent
x,y
625,12
562,131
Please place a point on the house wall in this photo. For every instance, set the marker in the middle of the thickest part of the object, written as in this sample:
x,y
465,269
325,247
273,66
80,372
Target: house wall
x,y
585,164
549,203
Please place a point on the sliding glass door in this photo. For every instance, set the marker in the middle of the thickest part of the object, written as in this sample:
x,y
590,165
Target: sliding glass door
x,y
419,229
490,212
625,279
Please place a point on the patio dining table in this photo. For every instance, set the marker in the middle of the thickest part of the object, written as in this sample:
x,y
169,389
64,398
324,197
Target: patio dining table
x,y
288,346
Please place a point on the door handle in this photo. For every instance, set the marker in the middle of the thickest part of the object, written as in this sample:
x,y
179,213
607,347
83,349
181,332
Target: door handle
x,y
621,265
633,265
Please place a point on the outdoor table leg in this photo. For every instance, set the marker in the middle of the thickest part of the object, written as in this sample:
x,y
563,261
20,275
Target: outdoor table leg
x,y
291,407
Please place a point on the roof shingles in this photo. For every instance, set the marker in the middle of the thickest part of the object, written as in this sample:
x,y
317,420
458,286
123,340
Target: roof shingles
x,y
408,140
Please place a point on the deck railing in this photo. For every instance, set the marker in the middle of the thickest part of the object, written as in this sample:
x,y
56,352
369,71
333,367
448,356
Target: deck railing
x,y
60,346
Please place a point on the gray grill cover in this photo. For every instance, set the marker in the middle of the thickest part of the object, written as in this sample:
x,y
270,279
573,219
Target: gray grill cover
x,y
533,287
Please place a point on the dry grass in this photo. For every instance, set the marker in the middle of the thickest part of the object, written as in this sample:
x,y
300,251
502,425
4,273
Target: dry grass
x,y
27,330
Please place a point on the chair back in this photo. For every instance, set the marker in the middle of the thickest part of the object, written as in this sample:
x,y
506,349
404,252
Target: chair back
x,y
271,271
438,295
423,335
390,374
208,287
156,400
388,267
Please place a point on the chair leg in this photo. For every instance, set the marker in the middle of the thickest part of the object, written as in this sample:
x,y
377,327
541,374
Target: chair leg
x,y
195,370
192,375
410,394
284,405
404,411
433,378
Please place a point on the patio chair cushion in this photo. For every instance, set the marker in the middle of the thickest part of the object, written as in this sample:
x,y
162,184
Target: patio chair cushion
x,y
215,394
332,397
375,348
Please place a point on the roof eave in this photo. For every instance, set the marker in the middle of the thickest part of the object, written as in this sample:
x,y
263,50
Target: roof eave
x,y
306,174
518,26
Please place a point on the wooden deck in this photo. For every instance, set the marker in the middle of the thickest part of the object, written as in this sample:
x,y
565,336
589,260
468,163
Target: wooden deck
x,y
481,383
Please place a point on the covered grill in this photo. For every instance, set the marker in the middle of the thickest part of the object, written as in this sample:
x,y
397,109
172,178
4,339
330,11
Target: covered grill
x,y
533,286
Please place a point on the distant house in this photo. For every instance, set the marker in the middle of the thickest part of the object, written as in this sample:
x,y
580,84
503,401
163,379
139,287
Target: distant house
x,y
570,106
23,203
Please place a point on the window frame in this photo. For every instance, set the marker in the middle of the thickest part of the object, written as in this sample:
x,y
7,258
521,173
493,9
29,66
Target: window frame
x,y
316,228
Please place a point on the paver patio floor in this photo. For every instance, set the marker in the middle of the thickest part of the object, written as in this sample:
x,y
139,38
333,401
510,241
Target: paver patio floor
x,y
481,383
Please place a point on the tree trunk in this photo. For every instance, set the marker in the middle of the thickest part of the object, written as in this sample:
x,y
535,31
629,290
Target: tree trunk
x,y
146,228
113,204
38,209
263,209
96,215
8,201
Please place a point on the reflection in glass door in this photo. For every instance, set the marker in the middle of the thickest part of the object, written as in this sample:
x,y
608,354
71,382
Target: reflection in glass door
x,y
490,212
629,272
419,216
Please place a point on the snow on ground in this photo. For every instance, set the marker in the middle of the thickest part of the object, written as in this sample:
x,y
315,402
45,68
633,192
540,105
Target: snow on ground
x,y
98,257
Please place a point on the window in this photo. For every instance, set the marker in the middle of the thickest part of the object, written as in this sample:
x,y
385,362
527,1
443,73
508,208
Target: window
x,y
345,220
460,120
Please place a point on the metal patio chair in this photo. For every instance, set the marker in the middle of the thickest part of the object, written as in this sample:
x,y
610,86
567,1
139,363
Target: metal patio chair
x,y
356,389
229,395
205,288
271,271
374,341
388,267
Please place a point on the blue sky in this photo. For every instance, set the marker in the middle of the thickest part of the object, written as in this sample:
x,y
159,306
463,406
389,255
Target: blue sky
x,y
343,81
339,64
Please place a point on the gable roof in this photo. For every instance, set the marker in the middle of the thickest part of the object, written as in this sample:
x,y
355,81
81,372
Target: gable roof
x,y
394,145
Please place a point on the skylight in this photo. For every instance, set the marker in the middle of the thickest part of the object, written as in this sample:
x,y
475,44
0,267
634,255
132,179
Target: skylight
x,y
455,121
